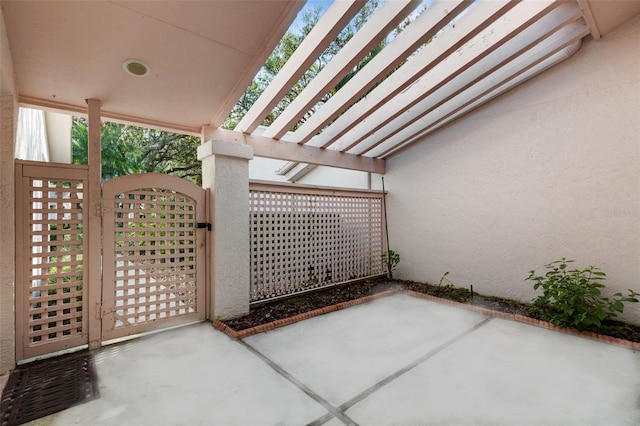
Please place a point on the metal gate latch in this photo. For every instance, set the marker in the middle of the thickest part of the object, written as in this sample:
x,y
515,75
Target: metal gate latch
x,y
201,225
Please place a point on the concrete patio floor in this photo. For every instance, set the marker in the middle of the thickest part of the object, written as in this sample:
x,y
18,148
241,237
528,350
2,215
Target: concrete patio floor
x,y
398,360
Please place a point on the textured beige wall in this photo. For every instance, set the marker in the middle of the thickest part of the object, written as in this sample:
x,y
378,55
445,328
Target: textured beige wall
x,y
550,169
8,118
8,115
225,170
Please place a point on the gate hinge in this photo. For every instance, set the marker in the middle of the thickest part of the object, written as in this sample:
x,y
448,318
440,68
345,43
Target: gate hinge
x,y
101,209
100,313
201,225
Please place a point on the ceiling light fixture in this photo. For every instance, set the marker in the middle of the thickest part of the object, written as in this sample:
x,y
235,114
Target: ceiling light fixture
x,y
136,68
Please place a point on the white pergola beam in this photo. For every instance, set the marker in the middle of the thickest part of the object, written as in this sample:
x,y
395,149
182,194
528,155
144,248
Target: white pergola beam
x,y
326,30
430,94
358,116
272,148
385,19
502,80
588,16
420,31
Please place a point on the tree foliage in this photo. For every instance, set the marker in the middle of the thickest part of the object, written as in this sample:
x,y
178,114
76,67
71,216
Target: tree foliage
x,y
130,149
283,51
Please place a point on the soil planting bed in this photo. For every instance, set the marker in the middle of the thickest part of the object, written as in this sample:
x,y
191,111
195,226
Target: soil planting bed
x,y
289,310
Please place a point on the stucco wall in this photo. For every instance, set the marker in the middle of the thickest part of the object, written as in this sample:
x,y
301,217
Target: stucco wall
x,y
342,178
548,170
8,119
265,169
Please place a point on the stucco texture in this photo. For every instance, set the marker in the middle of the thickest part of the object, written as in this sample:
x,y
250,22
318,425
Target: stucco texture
x,y
7,233
225,170
8,119
548,170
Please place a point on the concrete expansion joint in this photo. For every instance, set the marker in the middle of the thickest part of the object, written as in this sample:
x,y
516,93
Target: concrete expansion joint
x,y
412,365
340,412
332,411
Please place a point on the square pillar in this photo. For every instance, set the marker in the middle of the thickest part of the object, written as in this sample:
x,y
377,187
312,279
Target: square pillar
x,y
225,171
8,118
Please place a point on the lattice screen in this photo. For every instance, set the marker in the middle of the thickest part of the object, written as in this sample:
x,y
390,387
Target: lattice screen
x,y
56,289
155,249
302,241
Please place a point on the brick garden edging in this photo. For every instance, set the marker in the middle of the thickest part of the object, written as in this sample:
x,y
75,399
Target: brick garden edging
x,y
531,321
236,335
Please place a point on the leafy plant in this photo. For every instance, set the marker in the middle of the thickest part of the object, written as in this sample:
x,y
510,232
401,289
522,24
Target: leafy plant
x,y
391,258
444,278
573,297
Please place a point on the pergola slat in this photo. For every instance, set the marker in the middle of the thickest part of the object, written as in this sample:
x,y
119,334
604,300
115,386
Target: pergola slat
x,y
459,54
481,46
490,68
377,27
325,31
357,117
535,63
420,31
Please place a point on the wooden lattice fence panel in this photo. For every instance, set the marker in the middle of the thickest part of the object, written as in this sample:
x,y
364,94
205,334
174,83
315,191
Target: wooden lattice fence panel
x,y
153,276
51,223
303,238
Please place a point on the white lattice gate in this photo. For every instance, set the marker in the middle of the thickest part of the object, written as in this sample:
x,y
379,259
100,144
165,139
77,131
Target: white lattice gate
x,y
51,290
154,260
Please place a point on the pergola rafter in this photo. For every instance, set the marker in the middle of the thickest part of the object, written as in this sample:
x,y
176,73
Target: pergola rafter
x,y
327,29
426,26
440,75
372,33
400,85
453,57
476,90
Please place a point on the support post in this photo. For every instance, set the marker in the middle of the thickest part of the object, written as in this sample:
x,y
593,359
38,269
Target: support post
x,y
8,118
93,236
225,170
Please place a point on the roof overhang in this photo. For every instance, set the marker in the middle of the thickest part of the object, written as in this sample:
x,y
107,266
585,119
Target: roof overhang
x,y
202,55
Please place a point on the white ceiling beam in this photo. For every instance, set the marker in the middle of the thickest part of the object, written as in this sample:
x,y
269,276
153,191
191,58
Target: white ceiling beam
x,y
436,17
325,31
534,62
385,19
272,148
480,16
81,111
496,55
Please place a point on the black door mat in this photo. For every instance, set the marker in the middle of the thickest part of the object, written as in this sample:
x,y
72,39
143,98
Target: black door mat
x,y
45,387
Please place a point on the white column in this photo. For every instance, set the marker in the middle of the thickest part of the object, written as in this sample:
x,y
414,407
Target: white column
x,y
8,118
225,170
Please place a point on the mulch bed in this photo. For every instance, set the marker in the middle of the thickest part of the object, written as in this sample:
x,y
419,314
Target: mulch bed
x,y
311,301
286,311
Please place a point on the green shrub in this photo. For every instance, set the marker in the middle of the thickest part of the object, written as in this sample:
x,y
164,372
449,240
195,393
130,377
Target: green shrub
x,y
573,297
391,258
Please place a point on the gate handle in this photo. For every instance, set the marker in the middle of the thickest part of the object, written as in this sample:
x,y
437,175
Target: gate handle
x,y
201,225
